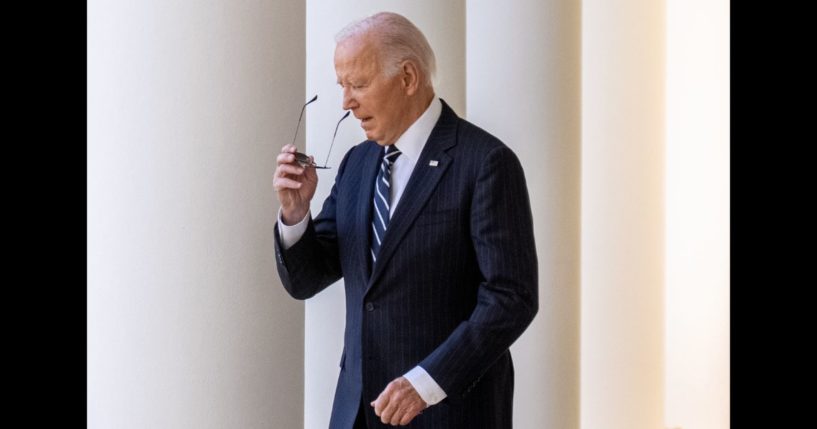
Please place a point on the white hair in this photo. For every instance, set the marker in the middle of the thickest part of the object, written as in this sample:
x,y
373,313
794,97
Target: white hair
x,y
397,40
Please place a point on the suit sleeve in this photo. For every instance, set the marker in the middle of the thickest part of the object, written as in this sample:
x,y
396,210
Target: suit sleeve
x,y
507,297
313,262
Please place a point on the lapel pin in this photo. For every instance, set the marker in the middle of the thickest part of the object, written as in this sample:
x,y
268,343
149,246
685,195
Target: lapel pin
x,y
433,163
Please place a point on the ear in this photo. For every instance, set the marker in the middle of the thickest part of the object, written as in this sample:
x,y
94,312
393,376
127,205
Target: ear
x,y
410,77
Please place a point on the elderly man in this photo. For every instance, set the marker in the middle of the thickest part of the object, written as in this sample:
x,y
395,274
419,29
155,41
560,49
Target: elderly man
x,y
429,224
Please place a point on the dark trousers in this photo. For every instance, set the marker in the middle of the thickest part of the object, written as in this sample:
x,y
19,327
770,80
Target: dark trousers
x,y
360,421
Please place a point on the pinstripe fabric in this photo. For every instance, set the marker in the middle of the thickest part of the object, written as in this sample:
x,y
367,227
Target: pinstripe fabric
x,y
381,199
454,286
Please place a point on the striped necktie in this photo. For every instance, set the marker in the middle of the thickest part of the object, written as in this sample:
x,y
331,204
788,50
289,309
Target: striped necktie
x,y
382,198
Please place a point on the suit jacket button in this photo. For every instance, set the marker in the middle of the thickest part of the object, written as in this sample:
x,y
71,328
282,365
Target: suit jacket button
x,y
369,306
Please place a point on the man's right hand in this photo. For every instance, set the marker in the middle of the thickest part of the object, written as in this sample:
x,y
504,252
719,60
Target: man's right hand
x,y
295,186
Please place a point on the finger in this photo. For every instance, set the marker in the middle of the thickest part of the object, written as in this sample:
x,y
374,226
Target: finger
x,y
288,148
397,416
285,158
410,414
284,169
405,413
281,183
311,174
390,410
408,417
380,403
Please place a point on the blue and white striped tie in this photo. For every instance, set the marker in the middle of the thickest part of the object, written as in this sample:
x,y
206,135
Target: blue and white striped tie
x,y
382,198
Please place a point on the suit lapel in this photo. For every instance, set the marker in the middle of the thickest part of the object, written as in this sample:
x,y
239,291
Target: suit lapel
x,y
428,171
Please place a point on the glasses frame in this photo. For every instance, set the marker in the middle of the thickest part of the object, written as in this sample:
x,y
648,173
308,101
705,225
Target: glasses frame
x,y
302,158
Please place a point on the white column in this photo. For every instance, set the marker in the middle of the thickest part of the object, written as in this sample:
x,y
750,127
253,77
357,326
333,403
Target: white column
x,y
523,86
188,325
622,214
697,222
443,24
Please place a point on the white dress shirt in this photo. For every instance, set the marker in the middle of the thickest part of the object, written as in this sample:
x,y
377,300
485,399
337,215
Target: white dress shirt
x,y
411,144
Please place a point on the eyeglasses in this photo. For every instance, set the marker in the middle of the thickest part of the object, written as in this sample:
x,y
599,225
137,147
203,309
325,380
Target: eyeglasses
x,y
302,158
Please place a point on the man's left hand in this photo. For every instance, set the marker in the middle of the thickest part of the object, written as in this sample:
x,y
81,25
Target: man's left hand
x,y
399,403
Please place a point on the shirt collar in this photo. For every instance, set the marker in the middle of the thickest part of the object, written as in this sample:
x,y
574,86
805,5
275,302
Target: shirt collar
x,y
412,141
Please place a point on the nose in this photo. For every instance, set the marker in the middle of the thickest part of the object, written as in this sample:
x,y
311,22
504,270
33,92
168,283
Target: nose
x,y
349,101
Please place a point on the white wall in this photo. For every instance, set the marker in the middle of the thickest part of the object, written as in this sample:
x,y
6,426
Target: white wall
x,y
188,325
697,223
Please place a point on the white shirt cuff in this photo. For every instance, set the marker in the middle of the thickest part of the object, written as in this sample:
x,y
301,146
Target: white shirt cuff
x,y
428,389
290,234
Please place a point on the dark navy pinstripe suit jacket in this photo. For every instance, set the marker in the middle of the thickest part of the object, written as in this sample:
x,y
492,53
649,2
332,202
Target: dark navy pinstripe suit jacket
x,y
454,285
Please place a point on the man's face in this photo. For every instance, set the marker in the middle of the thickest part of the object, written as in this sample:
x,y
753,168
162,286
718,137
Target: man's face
x,y
377,100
